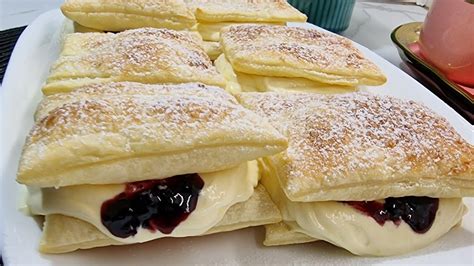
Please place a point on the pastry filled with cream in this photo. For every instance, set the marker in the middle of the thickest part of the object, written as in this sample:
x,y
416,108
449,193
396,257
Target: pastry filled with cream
x,y
243,82
211,31
145,55
206,17
214,15
123,163
281,58
372,174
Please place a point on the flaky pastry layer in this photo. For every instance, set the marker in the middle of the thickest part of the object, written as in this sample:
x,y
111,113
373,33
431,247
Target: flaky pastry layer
x,y
211,31
106,139
143,55
242,82
65,234
279,234
297,52
119,15
245,11
361,146
128,89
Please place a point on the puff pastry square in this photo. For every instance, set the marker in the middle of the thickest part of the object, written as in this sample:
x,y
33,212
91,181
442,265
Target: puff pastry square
x,y
125,138
143,55
119,15
65,234
361,146
297,52
245,11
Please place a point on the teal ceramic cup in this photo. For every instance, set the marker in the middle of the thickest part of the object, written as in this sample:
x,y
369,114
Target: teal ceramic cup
x,y
333,15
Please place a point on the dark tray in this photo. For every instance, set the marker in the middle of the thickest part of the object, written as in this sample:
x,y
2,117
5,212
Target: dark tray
x,y
8,40
460,98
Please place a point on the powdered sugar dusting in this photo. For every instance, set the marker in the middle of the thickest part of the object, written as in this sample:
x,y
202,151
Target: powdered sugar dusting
x,y
165,113
129,89
360,137
332,53
156,55
173,8
280,9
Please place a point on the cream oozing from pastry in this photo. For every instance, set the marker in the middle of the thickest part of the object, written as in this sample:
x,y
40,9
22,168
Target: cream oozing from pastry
x,y
344,226
212,31
221,190
238,82
213,49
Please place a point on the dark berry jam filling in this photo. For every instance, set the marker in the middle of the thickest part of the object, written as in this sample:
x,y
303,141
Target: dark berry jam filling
x,y
153,204
418,212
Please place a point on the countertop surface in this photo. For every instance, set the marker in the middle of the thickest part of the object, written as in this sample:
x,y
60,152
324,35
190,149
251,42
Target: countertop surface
x,y
370,26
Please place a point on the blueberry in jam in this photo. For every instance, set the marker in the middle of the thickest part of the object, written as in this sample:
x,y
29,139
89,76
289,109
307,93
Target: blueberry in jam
x,y
418,212
153,204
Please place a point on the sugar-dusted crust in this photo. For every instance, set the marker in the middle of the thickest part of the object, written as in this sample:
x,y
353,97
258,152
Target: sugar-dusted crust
x,y
128,89
245,11
65,234
297,52
361,146
119,15
143,55
211,31
103,138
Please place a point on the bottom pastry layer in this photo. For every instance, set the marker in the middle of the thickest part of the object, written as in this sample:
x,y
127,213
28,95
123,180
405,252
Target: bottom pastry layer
x,y
63,234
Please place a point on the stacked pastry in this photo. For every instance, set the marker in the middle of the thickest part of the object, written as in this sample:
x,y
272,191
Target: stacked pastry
x,y
118,157
120,15
127,148
372,174
145,55
214,15
271,58
122,163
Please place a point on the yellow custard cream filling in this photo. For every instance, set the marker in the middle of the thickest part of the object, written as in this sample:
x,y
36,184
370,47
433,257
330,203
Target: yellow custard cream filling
x,y
213,49
212,31
344,226
221,190
242,82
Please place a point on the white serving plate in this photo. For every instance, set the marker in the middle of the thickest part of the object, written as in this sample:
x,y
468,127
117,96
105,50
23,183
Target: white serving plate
x,y
39,46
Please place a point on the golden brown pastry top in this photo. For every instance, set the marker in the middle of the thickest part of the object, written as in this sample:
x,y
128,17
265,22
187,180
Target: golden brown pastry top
x,y
245,11
146,7
128,89
361,146
113,107
160,132
145,55
118,15
297,52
